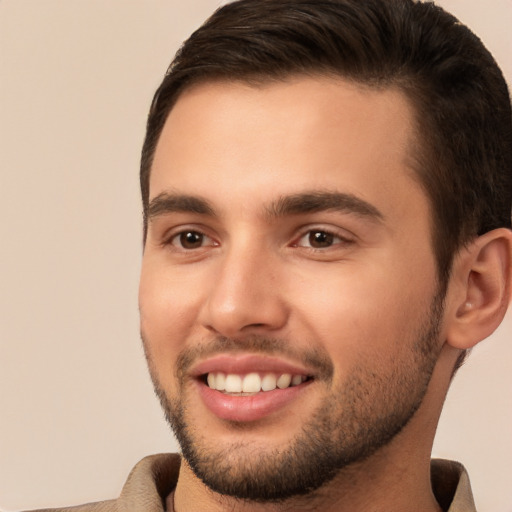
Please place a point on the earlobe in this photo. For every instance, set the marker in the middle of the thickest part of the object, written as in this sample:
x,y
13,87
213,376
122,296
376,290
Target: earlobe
x,y
482,273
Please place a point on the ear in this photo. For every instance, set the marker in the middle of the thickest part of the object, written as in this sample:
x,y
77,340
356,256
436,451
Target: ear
x,y
479,291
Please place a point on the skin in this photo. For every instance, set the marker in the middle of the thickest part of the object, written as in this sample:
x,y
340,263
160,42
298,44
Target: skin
x,y
359,301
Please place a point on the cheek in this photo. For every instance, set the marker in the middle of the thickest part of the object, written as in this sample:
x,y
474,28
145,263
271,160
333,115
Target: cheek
x,y
360,317
168,304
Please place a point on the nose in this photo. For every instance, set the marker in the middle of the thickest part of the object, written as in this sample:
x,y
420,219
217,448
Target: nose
x,y
246,295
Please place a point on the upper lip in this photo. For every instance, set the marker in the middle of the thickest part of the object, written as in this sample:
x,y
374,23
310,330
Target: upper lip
x,y
242,364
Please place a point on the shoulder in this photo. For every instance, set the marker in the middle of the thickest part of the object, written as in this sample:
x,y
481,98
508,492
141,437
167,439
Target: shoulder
x,y
451,486
147,486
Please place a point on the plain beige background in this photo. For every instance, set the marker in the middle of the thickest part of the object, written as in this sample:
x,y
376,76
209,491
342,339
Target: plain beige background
x,y
76,406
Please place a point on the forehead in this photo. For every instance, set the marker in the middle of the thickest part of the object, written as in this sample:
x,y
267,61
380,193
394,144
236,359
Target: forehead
x,y
237,140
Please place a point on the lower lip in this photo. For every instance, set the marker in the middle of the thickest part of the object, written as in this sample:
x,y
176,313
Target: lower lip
x,y
249,408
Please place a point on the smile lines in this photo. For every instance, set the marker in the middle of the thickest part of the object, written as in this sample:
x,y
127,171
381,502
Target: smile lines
x,y
252,382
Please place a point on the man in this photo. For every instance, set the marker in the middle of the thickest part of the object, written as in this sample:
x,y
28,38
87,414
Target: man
x,y
327,193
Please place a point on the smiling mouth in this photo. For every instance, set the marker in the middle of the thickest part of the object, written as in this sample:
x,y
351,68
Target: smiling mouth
x,y
251,383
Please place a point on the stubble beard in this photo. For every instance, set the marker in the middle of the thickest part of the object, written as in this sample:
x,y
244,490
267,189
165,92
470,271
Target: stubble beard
x,y
357,419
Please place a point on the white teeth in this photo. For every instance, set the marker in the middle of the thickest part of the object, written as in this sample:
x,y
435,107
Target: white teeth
x,y
269,382
284,381
296,380
220,382
233,383
252,382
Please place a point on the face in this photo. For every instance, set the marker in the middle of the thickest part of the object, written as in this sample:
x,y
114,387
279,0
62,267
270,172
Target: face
x,y
288,297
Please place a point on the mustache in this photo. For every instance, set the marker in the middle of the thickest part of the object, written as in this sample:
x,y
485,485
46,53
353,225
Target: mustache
x,y
313,358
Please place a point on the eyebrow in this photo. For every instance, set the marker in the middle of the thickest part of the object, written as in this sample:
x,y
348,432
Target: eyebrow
x,y
178,203
311,202
295,204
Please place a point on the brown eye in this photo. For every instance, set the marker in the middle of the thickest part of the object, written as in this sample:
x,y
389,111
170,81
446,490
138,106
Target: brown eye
x,y
189,240
320,239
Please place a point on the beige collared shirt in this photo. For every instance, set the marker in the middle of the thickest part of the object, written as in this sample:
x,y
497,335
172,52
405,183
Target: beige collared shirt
x,y
155,477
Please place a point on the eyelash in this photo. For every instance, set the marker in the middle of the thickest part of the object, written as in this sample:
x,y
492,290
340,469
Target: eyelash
x,y
176,236
330,236
334,239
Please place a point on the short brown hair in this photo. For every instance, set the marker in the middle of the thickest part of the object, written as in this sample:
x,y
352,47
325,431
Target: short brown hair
x,y
461,100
